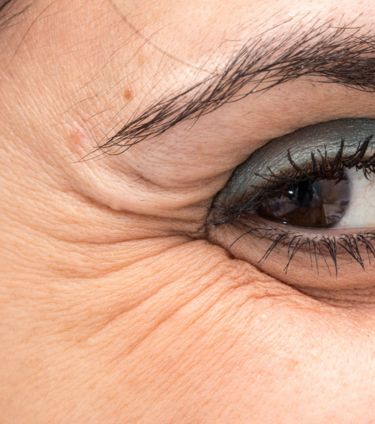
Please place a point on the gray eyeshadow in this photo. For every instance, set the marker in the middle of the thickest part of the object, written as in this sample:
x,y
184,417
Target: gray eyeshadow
x,y
248,178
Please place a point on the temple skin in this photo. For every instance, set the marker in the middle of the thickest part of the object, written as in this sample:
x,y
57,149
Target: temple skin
x,y
114,306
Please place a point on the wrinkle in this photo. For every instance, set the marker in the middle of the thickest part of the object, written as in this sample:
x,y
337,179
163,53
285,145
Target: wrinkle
x,y
31,26
149,41
166,316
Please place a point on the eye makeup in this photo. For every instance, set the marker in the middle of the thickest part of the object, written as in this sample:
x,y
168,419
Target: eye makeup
x,y
324,150
297,189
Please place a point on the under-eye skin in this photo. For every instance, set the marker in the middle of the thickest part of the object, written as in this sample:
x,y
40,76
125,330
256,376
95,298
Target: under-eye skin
x,y
308,192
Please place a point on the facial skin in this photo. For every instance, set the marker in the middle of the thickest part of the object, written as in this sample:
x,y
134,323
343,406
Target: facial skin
x,y
114,305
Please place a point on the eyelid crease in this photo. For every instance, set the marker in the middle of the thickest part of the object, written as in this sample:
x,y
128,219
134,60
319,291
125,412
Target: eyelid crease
x,y
4,4
7,15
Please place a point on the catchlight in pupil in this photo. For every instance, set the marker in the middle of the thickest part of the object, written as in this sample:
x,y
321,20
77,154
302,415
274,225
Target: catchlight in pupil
x,y
308,203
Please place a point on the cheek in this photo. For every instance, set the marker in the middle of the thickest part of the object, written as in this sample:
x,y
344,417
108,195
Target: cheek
x,y
240,352
218,341
190,335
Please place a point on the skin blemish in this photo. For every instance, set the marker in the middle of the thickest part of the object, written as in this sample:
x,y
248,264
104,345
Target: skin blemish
x,y
128,94
77,140
292,364
141,59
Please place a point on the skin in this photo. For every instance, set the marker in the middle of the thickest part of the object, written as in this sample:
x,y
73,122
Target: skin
x,y
114,306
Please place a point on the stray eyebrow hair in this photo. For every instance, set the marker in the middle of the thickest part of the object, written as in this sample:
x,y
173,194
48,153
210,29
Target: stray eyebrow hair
x,y
333,54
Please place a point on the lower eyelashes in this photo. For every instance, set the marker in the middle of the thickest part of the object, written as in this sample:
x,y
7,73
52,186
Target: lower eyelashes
x,y
307,197
322,249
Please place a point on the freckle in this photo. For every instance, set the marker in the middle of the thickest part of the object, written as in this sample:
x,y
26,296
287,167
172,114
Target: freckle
x,y
128,94
292,364
141,59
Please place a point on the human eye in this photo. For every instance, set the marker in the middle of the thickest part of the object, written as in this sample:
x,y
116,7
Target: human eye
x,y
301,207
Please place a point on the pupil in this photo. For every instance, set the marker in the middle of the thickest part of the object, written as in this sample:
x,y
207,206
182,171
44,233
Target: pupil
x,y
309,203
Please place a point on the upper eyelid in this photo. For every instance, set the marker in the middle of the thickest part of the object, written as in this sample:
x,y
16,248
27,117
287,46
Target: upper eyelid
x,y
345,136
339,54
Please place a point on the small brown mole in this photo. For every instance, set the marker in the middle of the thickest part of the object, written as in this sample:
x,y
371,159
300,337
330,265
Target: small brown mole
x,y
141,59
128,94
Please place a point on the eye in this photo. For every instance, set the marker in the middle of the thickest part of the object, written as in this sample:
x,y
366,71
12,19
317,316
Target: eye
x,y
302,205
308,202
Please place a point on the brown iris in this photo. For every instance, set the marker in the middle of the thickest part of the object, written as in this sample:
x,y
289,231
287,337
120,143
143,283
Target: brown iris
x,y
308,203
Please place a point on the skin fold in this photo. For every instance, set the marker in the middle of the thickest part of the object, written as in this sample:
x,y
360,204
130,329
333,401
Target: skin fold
x,y
115,307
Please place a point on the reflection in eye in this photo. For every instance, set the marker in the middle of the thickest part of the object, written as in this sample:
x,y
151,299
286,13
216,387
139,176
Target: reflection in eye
x,y
311,191
309,202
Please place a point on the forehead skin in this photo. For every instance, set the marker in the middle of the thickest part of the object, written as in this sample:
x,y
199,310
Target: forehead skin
x,y
113,306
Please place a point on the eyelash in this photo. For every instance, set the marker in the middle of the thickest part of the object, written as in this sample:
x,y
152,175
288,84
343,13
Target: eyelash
x,y
329,169
318,246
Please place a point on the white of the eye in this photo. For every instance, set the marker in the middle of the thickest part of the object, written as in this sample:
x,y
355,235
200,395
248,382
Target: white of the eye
x,y
361,210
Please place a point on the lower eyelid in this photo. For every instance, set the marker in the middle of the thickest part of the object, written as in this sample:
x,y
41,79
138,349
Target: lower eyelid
x,y
320,256
349,298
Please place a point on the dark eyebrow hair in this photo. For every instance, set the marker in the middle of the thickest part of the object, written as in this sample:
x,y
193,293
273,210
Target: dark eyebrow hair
x,y
340,54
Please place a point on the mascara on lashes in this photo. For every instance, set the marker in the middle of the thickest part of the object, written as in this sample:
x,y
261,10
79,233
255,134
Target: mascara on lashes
x,y
248,179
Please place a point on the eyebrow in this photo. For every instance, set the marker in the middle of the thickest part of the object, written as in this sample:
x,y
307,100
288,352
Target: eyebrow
x,y
343,54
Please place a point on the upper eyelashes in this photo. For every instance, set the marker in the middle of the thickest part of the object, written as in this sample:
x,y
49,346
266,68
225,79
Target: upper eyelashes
x,y
321,187
318,152
310,179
